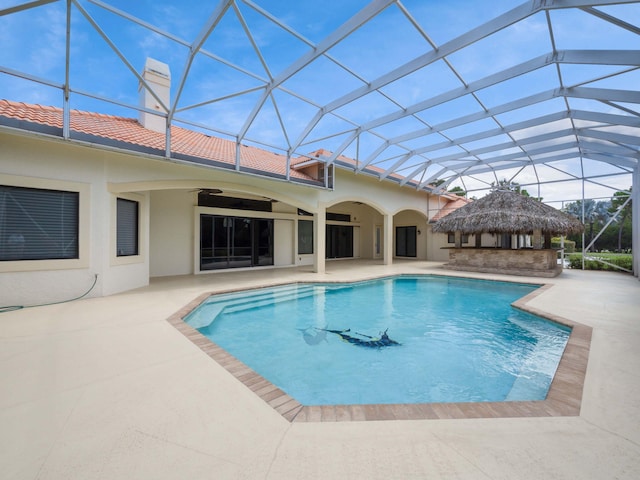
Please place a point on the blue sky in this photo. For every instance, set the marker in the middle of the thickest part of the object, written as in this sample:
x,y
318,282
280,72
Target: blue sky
x,y
34,43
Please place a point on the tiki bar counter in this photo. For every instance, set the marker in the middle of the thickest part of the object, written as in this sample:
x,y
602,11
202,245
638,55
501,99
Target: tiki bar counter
x,y
514,220
529,262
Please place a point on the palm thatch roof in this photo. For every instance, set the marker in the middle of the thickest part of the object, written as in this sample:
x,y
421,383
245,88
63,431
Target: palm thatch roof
x,y
505,211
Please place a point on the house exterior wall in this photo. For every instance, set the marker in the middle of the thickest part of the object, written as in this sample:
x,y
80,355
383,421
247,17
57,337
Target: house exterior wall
x,y
171,251
124,273
437,246
168,237
385,197
29,162
409,218
283,241
406,205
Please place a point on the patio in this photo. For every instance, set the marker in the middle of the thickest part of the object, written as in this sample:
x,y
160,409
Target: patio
x,y
107,388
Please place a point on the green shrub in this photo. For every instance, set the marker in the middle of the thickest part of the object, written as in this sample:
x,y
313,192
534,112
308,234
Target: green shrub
x,y
569,245
620,259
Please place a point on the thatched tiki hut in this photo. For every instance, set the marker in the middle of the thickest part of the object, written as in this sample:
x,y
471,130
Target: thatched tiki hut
x,y
507,213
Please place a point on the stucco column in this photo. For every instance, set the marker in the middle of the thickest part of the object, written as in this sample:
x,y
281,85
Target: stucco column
x,y
457,239
387,242
319,239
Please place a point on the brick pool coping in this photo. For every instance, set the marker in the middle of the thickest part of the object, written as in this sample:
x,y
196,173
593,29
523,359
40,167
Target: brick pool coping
x,y
563,399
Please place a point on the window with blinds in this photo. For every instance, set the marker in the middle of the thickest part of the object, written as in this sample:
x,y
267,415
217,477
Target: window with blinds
x,y
127,228
38,224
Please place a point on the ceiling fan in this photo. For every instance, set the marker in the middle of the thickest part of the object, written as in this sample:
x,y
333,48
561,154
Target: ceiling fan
x,y
208,191
217,191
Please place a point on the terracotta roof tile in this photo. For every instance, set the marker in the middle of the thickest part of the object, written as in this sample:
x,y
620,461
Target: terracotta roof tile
x,y
183,141
452,205
350,161
122,129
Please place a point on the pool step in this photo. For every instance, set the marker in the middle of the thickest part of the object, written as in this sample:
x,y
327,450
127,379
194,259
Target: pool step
x,y
239,298
279,297
528,385
255,293
533,375
239,301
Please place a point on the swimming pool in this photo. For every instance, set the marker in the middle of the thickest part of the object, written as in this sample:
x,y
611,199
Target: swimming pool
x,y
461,341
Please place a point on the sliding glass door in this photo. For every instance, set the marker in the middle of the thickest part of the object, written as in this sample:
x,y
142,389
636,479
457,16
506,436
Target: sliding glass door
x,y
339,241
406,241
235,242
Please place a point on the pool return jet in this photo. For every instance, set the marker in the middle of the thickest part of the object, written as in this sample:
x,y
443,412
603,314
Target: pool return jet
x,y
383,341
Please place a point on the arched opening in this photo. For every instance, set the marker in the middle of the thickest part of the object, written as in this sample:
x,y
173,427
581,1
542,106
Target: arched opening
x,y
354,230
410,235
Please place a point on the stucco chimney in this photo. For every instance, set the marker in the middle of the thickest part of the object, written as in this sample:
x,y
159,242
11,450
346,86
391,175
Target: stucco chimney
x,y
158,77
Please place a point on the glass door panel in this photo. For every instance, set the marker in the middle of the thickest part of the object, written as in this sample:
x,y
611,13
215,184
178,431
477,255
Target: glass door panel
x,y
235,242
406,241
263,242
240,242
339,241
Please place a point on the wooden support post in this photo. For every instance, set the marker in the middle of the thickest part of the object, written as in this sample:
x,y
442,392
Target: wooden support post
x,y
537,239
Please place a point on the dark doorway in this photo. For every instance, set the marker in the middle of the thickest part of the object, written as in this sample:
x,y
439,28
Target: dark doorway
x,y
406,241
235,242
505,240
339,239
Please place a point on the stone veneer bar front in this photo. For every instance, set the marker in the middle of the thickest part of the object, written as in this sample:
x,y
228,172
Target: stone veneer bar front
x,y
528,261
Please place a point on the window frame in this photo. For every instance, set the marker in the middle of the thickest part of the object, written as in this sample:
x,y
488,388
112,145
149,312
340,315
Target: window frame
x,y
142,202
300,222
41,224
409,246
83,191
135,228
277,217
233,240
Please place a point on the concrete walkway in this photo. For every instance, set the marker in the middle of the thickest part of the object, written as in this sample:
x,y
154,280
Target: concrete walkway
x,y
106,388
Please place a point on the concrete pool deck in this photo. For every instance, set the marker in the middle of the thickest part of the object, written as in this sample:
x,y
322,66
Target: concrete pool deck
x,y
106,388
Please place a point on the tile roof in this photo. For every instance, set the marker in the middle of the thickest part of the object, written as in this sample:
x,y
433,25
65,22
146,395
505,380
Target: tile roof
x,y
454,203
351,162
184,142
128,130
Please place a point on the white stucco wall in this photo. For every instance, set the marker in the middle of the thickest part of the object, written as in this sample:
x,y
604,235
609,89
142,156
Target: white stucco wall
x,y
32,163
283,239
383,196
125,273
171,228
168,234
437,246
38,162
409,218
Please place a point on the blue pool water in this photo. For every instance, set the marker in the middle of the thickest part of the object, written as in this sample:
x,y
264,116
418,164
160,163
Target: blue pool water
x,y
461,341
